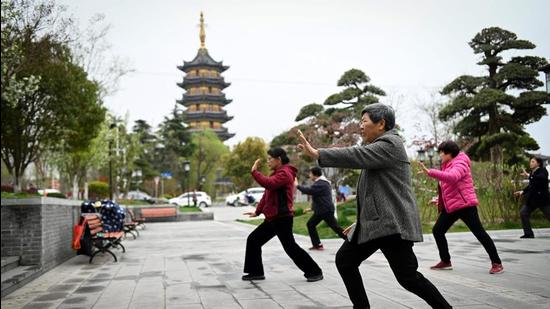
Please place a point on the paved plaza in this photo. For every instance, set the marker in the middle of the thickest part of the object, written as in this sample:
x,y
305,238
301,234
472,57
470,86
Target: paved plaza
x,y
199,265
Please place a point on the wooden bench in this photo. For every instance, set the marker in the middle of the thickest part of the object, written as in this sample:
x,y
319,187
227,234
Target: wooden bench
x,y
140,222
159,212
102,241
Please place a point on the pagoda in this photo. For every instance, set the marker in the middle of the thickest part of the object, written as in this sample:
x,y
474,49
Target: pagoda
x,y
204,98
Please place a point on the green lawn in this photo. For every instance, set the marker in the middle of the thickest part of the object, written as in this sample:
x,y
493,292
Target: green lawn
x,y
347,213
190,209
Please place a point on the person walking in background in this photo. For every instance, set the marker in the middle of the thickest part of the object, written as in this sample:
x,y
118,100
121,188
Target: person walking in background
x,y
194,198
535,195
387,216
321,205
277,206
457,200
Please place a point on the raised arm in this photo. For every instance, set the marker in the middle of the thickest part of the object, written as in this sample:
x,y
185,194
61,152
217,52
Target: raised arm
x,y
379,154
274,182
451,175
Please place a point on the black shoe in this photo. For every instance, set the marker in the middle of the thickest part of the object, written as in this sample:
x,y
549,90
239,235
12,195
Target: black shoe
x,y
250,277
315,278
528,236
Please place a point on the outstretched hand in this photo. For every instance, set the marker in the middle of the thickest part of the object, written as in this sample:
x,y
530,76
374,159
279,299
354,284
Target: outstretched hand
x,y
251,214
423,168
256,164
306,147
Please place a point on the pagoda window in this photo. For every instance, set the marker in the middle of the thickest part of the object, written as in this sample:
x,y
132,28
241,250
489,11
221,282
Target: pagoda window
x,y
211,124
209,89
196,108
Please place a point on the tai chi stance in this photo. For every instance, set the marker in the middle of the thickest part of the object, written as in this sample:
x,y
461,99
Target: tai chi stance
x,y
536,195
457,200
322,206
277,206
387,216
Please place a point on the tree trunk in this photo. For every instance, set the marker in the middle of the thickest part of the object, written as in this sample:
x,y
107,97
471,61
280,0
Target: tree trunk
x,y
85,197
75,187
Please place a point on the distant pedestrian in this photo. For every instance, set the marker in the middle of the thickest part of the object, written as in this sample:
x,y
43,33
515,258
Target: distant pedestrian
x,y
457,200
194,197
321,205
387,216
535,195
277,206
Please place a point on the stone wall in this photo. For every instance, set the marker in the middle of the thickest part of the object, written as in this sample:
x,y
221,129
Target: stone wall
x,y
39,230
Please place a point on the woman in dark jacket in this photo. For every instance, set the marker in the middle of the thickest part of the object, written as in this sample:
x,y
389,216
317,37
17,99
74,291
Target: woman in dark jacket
x,y
536,195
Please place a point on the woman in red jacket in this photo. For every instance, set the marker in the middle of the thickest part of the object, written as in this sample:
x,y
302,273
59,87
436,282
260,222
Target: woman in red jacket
x,y
277,206
457,200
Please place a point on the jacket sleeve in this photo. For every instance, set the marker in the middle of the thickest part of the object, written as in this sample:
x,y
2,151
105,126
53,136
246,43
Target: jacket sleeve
x,y
379,154
273,182
314,189
260,206
451,175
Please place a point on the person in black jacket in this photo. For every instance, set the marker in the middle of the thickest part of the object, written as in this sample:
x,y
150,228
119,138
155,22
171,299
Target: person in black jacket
x,y
536,195
322,206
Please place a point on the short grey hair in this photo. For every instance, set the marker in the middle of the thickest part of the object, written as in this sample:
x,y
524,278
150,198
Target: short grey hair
x,y
379,111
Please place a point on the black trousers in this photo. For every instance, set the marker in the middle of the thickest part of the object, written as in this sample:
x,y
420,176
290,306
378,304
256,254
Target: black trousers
x,y
470,216
525,214
282,228
331,222
403,263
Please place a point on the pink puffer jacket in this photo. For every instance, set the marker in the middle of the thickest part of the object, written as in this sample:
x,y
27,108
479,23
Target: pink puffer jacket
x,y
457,186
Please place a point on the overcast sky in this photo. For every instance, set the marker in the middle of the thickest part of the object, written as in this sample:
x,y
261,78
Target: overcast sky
x,y
286,54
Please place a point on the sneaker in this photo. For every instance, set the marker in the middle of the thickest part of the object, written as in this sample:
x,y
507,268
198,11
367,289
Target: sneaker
x,y
442,266
315,278
319,247
250,277
496,268
528,236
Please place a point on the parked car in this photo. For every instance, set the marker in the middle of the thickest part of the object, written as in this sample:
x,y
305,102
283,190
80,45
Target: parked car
x,y
242,198
139,195
48,191
186,199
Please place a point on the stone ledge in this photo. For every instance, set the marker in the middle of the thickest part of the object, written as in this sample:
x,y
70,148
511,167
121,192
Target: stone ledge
x,y
39,201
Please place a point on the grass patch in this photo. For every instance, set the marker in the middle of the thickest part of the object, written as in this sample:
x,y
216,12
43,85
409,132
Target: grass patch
x,y
11,195
190,209
347,214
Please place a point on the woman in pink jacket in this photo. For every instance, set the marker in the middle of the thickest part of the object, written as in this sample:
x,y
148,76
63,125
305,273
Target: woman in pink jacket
x,y
457,200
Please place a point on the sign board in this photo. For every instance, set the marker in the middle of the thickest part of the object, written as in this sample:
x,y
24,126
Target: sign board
x,y
166,175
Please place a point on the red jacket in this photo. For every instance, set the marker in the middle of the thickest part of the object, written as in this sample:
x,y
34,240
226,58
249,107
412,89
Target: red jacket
x,y
278,198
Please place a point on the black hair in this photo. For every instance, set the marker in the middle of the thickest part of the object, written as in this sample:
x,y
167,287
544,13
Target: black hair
x,y
278,152
379,111
449,147
316,171
540,161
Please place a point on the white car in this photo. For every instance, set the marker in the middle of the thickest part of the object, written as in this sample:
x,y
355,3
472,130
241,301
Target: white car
x,y
186,199
240,198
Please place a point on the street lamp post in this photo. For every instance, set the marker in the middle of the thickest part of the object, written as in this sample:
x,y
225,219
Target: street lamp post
x,y
431,153
112,126
546,70
421,154
186,170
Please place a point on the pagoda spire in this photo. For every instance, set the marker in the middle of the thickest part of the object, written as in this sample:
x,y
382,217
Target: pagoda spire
x,y
202,33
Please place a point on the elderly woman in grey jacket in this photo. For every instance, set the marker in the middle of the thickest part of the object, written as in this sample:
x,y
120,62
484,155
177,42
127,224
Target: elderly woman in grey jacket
x,y
387,216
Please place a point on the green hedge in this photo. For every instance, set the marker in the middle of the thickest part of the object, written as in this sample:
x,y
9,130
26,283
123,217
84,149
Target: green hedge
x,y
98,190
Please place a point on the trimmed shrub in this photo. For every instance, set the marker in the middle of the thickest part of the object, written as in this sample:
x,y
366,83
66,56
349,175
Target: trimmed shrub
x,y
56,194
98,190
7,188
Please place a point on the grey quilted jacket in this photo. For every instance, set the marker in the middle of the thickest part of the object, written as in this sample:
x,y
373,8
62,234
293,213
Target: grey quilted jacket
x,y
385,199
